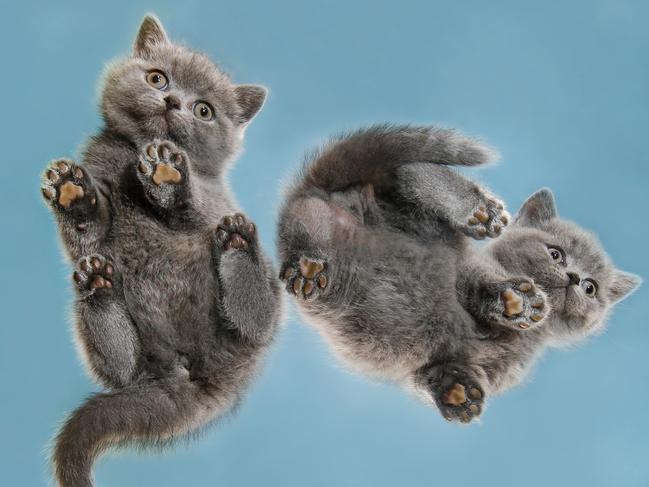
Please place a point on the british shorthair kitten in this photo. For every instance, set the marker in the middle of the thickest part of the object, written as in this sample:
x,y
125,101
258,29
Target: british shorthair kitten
x,y
375,238
176,302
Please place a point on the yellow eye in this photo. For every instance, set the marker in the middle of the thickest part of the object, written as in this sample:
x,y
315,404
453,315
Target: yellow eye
x,y
157,79
203,111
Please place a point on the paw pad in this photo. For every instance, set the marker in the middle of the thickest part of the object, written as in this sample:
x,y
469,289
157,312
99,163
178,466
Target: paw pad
x,y
455,395
69,192
164,173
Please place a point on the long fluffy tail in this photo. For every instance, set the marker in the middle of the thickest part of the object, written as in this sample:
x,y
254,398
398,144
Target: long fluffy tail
x,y
148,414
369,155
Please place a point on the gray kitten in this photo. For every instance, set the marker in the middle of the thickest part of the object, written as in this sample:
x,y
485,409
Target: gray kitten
x,y
374,240
176,302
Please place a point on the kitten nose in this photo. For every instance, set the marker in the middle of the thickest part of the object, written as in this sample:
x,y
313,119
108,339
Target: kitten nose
x,y
173,102
574,278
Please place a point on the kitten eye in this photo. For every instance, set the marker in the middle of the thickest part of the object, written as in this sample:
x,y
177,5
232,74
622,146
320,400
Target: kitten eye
x,y
203,111
157,79
589,286
558,255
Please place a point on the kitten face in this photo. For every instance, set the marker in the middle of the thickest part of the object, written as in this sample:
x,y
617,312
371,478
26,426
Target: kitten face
x,y
568,263
167,91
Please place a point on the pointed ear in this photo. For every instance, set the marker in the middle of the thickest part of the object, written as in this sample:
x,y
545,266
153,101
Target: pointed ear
x,y
250,98
151,34
624,283
538,208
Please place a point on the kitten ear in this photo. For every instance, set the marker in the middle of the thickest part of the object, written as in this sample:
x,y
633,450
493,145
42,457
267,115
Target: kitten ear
x,y
624,283
250,98
151,34
538,208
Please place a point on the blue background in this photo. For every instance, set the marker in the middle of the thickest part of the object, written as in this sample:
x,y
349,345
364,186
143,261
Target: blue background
x,y
561,88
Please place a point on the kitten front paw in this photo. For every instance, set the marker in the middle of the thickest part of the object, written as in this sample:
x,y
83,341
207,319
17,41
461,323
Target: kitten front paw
x,y
487,220
235,233
95,273
457,396
305,277
67,186
163,171
516,304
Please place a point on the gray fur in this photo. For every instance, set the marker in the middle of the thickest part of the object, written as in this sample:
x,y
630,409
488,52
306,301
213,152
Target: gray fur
x,y
176,301
373,239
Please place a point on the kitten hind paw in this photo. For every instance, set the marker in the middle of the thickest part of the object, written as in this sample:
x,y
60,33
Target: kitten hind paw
x,y
235,233
305,277
95,273
487,220
457,396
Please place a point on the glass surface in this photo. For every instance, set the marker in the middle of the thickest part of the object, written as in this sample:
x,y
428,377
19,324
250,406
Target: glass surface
x,y
561,88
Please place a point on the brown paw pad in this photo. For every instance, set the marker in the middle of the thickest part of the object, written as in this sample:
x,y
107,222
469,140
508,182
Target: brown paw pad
x,y
455,396
164,173
69,192
309,268
513,303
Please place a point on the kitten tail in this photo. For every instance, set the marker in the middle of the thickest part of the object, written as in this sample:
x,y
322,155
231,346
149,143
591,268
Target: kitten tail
x,y
148,414
369,156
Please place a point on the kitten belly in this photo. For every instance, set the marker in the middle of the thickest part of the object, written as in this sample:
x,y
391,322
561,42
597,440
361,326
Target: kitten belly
x,y
383,317
366,354
170,288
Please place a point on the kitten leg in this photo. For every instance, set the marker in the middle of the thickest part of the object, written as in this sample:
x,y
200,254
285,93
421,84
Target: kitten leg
x,y
250,294
104,326
463,204
456,389
81,210
163,170
306,229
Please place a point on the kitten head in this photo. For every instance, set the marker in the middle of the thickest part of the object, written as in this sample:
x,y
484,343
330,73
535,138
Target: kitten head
x,y
168,91
568,263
